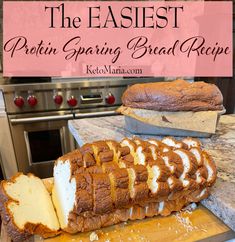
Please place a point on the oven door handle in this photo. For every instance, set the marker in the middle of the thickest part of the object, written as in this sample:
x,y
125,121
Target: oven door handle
x,y
62,117
87,99
95,114
40,119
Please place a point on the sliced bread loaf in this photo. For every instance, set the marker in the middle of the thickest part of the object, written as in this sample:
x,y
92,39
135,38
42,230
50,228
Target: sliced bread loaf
x,y
145,180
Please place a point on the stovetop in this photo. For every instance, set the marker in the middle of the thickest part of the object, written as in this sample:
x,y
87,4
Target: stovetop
x,y
61,94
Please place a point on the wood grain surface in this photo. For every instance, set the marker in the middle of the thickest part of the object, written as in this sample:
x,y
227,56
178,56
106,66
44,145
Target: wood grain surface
x,y
183,226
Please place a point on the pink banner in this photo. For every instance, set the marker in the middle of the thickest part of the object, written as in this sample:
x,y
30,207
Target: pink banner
x,y
117,38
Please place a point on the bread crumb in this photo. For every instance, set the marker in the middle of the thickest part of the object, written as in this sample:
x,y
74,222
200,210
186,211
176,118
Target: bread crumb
x,y
94,236
185,221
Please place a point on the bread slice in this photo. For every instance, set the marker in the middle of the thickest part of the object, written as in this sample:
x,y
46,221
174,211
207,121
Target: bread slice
x,y
26,208
63,192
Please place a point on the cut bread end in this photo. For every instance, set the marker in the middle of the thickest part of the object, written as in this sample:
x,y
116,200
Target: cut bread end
x,y
27,209
63,193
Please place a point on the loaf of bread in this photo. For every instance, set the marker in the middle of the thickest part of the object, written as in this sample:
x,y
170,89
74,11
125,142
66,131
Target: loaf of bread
x,y
106,182
178,95
26,208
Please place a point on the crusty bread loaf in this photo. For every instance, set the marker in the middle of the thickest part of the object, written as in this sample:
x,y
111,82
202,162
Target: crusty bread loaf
x,y
26,208
178,95
132,179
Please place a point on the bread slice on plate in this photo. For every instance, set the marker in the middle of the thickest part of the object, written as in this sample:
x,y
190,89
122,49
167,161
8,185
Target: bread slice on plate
x,y
26,208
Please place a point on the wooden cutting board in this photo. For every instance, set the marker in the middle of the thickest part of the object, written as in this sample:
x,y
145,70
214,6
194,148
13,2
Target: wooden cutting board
x,y
184,226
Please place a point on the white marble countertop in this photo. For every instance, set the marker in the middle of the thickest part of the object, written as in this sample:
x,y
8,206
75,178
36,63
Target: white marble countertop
x,y
221,146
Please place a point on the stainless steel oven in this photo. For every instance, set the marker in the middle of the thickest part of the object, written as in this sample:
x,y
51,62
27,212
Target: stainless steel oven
x,y
37,114
38,142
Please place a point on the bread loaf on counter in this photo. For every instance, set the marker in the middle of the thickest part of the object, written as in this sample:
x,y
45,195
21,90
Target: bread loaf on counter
x,y
106,182
26,208
178,95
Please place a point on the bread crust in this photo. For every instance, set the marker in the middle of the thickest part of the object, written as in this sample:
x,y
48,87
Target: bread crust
x,y
17,234
88,223
178,95
138,179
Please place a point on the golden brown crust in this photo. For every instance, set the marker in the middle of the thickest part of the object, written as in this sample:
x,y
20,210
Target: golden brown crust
x,y
101,146
81,224
74,157
141,193
175,184
203,172
164,170
178,95
91,170
161,147
111,189
120,192
88,160
113,145
140,187
140,142
191,143
125,150
209,163
199,153
130,143
84,196
109,167
175,162
162,192
151,209
126,161
106,156
102,194
141,174
87,148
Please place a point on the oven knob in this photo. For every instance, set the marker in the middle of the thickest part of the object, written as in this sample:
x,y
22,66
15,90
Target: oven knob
x,y
110,99
72,101
32,100
58,99
19,101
